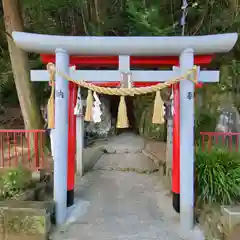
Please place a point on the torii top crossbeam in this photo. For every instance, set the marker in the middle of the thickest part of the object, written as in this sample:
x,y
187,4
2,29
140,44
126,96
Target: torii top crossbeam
x,y
133,46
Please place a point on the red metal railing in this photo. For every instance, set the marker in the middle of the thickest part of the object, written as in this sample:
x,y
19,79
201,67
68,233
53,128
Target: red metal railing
x,y
227,140
27,147
23,148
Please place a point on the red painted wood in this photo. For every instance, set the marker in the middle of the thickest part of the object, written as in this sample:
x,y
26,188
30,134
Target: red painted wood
x,y
176,140
74,134
144,84
135,84
106,84
71,144
197,85
113,60
147,84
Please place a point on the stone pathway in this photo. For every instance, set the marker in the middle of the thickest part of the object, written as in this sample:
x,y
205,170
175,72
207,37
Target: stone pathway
x,y
122,198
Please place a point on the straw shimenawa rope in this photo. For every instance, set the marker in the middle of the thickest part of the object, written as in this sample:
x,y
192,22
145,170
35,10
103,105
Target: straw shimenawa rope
x,y
89,106
51,103
158,109
158,113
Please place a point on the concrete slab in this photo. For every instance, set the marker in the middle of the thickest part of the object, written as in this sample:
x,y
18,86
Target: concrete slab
x,y
125,143
125,161
156,151
122,205
90,157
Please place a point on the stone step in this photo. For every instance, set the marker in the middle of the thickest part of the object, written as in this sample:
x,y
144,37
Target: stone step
x,y
231,215
156,151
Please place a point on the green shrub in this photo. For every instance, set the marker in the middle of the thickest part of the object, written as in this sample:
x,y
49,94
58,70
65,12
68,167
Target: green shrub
x,y
13,182
217,176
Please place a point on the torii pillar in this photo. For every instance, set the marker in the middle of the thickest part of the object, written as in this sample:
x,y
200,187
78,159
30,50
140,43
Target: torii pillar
x,y
186,147
185,47
61,136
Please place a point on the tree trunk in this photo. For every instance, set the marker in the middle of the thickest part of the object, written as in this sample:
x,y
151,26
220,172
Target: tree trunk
x,y
20,66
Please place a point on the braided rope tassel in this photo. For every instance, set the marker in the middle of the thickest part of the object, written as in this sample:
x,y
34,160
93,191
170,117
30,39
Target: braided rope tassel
x,y
51,100
122,119
89,107
158,110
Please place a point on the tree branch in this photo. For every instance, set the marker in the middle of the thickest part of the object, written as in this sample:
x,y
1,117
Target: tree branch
x,y
199,24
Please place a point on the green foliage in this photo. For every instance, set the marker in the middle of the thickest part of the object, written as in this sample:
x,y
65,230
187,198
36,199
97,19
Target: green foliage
x,y
205,121
13,182
143,110
8,92
217,176
231,81
150,19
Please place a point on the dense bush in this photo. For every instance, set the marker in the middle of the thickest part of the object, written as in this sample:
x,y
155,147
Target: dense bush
x,y
217,176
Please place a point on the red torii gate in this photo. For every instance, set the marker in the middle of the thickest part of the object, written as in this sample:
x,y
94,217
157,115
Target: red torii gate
x,y
113,61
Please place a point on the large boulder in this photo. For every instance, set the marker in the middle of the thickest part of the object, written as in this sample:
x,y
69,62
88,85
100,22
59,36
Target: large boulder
x,y
229,121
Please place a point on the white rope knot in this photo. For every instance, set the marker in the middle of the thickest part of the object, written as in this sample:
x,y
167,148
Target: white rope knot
x,y
51,70
129,75
51,67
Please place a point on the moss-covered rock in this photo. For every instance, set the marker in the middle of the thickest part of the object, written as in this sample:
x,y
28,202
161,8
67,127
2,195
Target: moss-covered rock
x,y
25,220
143,111
140,103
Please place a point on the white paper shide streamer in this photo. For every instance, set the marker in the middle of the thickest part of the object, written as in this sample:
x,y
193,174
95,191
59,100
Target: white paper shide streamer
x,y
172,106
96,111
78,108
